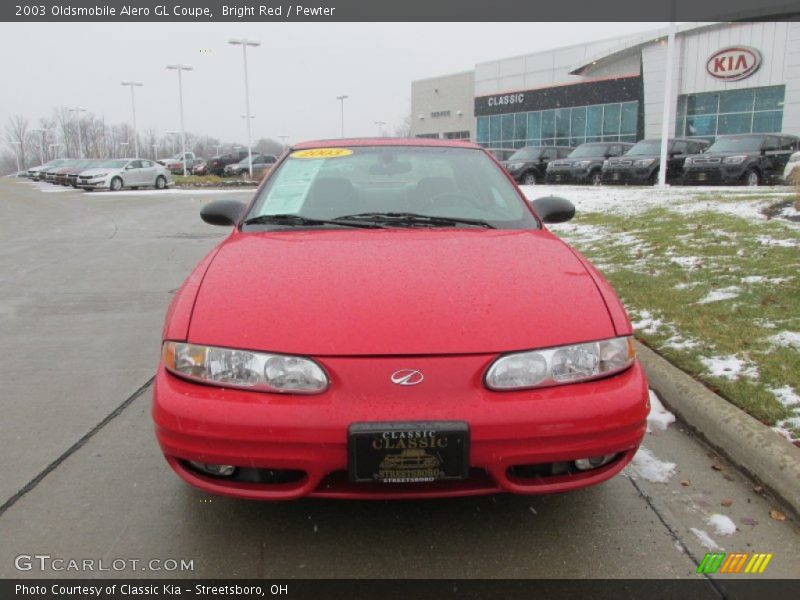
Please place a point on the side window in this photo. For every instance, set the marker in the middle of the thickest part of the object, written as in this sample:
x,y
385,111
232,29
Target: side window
x,y
136,164
270,160
770,143
549,153
564,152
614,150
146,164
788,144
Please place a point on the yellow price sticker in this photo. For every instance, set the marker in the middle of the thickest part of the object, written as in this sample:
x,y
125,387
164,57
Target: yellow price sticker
x,y
322,153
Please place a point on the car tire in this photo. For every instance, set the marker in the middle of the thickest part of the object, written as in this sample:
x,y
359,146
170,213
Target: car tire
x,y
115,185
752,178
87,189
596,178
161,182
529,178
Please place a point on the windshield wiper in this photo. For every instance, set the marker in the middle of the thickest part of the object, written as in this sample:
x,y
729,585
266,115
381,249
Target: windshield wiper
x,y
300,221
408,218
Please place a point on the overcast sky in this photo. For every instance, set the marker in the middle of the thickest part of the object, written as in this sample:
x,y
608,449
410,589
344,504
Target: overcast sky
x,y
295,75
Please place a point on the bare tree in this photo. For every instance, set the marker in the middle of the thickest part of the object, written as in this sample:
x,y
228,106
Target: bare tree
x,y
17,135
403,129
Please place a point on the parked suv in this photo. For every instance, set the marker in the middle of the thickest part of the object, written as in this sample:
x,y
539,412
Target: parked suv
x,y
640,164
175,163
749,159
216,164
261,164
584,164
528,165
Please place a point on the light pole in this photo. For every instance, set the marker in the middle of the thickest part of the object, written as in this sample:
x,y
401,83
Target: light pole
x,y
155,152
342,99
79,110
43,132
134,84
17,153
217,148
180,68
244,43
54,149
662,168
283,139
380,125
172,135
124,146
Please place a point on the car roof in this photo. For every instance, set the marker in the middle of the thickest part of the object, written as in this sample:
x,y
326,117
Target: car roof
x,y
334,143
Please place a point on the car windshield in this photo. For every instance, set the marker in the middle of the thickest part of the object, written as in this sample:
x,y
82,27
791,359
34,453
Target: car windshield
x,y
526,154
588,150
736,144
113,164
382,182
648,147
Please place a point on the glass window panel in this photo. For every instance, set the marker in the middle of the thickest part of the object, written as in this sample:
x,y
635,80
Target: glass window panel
x,y
562,142
768,122
576,141
534,125
734,123
494,129
736,101
630,116
627,138
593,138
483,130
770,98
702,104
679,124
594,120
578,122
518,144
548,142
508,128
562,122
611,117
548,124
704,125
520,126
681,106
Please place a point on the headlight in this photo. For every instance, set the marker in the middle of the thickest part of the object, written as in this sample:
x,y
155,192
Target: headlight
x,y
99,175
515,165
734,160
794,157
564,364
245,369
644,162
582,164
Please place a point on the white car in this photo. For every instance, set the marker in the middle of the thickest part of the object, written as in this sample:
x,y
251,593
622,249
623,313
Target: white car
x,y
119,173
791,166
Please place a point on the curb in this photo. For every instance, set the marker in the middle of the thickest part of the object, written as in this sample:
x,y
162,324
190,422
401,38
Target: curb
x,y
747,442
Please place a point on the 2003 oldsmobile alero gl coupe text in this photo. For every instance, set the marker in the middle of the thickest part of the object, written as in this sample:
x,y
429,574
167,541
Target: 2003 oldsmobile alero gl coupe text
x,y
391,319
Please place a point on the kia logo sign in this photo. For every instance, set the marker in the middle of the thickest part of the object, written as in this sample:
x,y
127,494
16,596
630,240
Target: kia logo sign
x,y
734,63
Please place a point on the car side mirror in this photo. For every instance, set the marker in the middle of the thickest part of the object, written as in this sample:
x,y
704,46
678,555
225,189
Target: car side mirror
x,y
222,212
552,209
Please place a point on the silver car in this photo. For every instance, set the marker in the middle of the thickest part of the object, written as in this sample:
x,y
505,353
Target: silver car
x,y
119,173
789,175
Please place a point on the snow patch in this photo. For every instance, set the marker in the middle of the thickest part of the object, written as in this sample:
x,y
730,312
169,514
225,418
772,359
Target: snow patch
x,y
659,418
766,240
687,262
704,539
646,465
786,339
785,395
729,367
720,294
722,525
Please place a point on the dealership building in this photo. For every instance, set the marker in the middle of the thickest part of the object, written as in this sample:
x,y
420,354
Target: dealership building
x,y
728,78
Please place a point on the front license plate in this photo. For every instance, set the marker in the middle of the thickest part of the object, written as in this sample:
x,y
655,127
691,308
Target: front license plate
x,y
615,176
702,176
410,452
558,177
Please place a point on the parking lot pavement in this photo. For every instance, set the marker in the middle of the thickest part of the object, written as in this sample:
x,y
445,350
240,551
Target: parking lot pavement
x,y
85,282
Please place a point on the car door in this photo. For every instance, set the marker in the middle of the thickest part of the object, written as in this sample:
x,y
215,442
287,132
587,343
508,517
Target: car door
x,y
148,172
130,173
548,154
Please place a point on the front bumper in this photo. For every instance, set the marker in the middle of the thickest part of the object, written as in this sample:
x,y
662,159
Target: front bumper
x,y
567,175
309,434
627,176
94,184
725,174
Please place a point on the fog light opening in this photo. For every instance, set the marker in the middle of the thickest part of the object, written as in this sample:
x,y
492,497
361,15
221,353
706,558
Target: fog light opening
x,y
593,462
214,470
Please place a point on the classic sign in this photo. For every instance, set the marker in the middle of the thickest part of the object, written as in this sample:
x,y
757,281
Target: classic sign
x,y
734,63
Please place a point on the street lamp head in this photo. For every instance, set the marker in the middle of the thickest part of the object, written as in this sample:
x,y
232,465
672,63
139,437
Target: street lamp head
x,y
342,97
244,42
132,83
179,67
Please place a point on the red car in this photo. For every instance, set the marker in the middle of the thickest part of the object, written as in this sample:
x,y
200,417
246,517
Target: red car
x,y
391,319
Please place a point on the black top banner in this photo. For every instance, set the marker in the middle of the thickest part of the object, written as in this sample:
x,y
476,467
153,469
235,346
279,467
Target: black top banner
x,y
405,10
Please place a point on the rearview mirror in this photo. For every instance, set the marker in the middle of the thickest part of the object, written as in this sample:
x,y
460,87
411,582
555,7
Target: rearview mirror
x,y
552,209
222,212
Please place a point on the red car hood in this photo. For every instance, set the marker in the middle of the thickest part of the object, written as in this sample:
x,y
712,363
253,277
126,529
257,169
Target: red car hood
x,y
404,291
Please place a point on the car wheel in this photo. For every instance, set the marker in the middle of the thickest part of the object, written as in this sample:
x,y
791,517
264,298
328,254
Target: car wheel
x,y
596,178
161,182
529,179
116,184
752,178
87,189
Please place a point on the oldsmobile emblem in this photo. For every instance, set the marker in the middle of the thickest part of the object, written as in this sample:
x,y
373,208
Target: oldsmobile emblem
x,y
407,377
